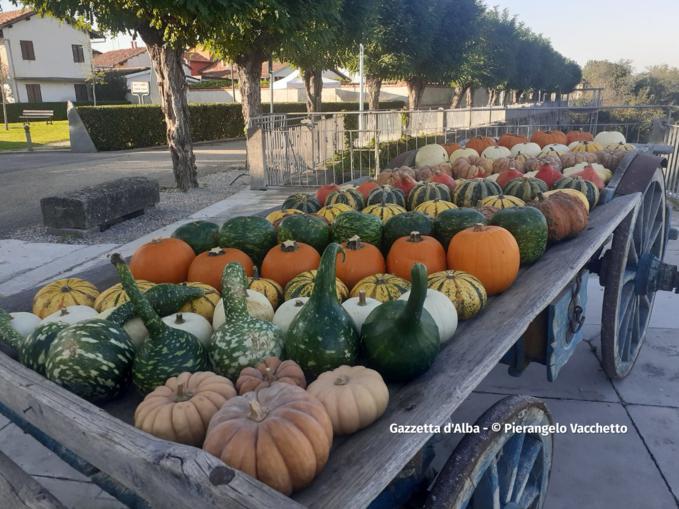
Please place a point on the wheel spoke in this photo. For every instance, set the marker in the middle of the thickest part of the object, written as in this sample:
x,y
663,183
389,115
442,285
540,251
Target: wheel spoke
x,y
636,329
637,229
654,233
530,495
487,493
508,464
633,255
624,320
652,206
531,452
629,276
628,331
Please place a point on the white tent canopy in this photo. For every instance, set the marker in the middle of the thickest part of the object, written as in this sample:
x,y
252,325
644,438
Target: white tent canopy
x,y
295,80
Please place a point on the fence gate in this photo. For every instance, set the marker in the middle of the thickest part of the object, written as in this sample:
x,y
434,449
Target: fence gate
x,y
672,170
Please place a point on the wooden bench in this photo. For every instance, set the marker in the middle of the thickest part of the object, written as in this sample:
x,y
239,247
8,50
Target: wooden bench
x,y
28,115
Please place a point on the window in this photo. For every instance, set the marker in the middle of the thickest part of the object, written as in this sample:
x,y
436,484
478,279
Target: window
x,y
27,52
34,94
81,92
78,54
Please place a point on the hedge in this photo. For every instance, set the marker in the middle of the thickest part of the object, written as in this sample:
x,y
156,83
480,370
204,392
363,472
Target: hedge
x,y
129,126
14,109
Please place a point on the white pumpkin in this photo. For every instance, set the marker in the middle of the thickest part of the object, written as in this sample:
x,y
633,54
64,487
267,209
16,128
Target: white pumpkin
x,y
430,155
287,312
258,307
553,149
604,173
24,323
495,152
530,173
72,314
528,149
462,152
134,327
359,308
193,323
442,310
605,138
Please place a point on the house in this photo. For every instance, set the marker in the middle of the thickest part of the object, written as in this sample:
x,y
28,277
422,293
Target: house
x,y
128,59
46,59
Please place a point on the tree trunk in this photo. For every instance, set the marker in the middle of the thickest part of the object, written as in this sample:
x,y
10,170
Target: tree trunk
x,y
167,64
313,84
415,90
374,86
515,96
492,93
469,96
249,83
458,95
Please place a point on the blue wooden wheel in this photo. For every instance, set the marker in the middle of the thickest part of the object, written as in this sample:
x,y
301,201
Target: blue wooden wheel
x,y
499,470
630,284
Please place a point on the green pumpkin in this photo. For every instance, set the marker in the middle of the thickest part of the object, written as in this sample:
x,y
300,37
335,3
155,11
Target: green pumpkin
x,y
166,299
386,194
167,351
251,234
33,351
427,191
449,222
351,197
366,226
400,338
241,340
312,230
302,201
322,335
469,192
200,235
91,359
8,335
401,226
586,187
525,188
528,226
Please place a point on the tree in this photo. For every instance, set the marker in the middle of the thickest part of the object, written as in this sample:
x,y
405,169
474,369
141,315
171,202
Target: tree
x,y
614,77
109,85
254,34
167,28
659,84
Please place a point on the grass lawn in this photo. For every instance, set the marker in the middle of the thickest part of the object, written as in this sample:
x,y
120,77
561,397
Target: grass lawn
x,y
41,134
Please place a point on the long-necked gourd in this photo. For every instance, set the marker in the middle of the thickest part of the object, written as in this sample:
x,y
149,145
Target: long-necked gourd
x,y
400,338
241,340
322,335
167,351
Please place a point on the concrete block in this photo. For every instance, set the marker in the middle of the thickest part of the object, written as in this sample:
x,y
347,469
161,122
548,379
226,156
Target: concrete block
x,y
101,205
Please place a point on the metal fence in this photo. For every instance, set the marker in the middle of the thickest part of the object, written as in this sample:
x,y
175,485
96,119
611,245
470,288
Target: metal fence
x,y
301,149
672,170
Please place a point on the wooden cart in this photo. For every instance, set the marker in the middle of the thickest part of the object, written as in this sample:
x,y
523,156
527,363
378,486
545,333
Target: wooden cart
x,y
539,319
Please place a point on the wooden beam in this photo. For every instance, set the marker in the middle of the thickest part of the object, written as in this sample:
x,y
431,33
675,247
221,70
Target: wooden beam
x,y
361,467
19,490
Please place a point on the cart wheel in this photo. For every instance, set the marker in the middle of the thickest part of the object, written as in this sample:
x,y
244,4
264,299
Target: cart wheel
x,y
629,288
498,470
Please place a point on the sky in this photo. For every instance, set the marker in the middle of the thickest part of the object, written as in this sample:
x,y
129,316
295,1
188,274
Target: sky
x,y
644,32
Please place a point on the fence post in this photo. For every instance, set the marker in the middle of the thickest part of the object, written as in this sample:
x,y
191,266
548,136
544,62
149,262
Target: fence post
x,y
255,158
377,152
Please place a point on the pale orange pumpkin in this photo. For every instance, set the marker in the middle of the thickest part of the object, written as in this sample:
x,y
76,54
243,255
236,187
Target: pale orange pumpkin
x,y
416,248
260,433
510,139
270,370
162,261
480,143
543,138
578,135
488,252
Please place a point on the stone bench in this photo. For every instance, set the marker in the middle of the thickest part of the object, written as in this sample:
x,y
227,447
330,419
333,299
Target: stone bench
x,y
95,208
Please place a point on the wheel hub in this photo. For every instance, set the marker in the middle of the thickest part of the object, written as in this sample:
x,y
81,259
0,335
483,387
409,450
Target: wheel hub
x,y
653,275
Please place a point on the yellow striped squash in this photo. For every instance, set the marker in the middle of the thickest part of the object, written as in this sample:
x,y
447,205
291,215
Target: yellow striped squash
x,y
205,305
63,293
433,208
303,284
464,290
115,295
501,201
383,287
267,287
277,215
384,211
330,212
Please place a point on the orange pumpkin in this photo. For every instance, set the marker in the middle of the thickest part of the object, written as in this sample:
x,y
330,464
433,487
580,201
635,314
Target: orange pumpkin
x,y
488,252
208,267
510,139
451,147
407,251
572,136
162,261
286,260
543,138
359,260
480,143
323,192
366,187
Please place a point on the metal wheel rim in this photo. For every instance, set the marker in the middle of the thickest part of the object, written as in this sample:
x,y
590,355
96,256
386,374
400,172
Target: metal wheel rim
x,y
626,314
510,471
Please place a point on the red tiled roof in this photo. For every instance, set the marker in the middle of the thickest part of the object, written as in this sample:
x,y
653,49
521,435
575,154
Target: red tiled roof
x,y
194,56
9,17
117,56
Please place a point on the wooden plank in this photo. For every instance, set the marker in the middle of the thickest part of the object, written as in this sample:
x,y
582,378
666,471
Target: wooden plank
x,y
19,490
169,475
361,467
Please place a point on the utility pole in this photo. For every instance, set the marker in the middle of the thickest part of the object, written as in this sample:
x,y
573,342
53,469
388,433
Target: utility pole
x,y
3,79
270,85
360,90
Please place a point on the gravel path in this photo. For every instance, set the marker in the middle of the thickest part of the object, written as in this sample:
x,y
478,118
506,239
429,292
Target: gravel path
x,y
174,205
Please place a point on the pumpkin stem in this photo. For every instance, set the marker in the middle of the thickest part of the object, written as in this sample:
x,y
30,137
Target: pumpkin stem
x,y
181,395
255,272
361,298
342,380
268,374
354,243
179,319
479,227
299,303
63,312
215,251
65,289
257,412
415,237
288,246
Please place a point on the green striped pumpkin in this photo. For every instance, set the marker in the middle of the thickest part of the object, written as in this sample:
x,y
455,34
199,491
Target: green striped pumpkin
x,y
469,192
302,201
384,211
464,290
253,235
427,191
586,187
525,188
351,197
386,194
91,359
351,223
401,226
450,222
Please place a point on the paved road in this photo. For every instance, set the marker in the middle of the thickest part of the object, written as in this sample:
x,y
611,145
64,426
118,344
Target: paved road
x,y
27,177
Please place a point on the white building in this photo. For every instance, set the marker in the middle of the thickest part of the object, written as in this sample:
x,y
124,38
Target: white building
x,y
46,59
